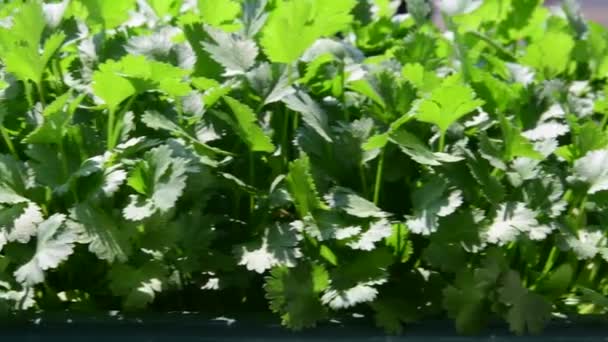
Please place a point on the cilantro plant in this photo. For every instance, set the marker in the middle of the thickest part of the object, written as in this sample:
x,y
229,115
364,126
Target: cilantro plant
x,y
309,159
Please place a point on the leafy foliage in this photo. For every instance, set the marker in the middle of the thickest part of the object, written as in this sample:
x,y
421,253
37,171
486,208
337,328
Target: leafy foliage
x,y
332,157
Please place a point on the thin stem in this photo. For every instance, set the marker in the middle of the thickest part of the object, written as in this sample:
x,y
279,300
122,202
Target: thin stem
x,y
119,120
363,180
295,125
251,181
28,93
441,141
59,70
41,93
464,63
343,93
180,111
378,183
110,132
284,136
8,141
64,159
494,45
604,121
581,212
66,168
550,262
594,272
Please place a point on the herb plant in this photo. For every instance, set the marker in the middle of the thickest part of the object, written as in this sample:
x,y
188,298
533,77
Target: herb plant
x,y
309,158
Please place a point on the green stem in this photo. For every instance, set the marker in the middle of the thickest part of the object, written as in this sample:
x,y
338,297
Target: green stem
x,y
594,272
8,141
251,181
110,132
343,93
506,133
64,160
363,180
581,212
442,142
494,45
285,137
28,93
119,120
41,93
59,70
604,121
378,183
296,124
66,168
294,130
460,50
180,112
550,262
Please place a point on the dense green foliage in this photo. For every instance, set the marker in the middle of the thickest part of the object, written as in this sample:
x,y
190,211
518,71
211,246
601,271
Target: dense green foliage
x,y
313,158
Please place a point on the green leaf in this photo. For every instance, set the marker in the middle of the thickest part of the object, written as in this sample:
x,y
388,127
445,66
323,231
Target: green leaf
x,y
302,186
594,297
51,46
112,88
54,243
558,281
53,128
377,231
12,178
160,178
419,9
20,43
104,235
19,222
137,286
294,293
593,170
517,145
219,13
550,54
511,220
47,166
254,16
164,8
248,127
447,104
107,14
272,82
115,81
351,203
528,312
587,243
311,19
465,303
312,113
278,247
447,257
430,203
400,243
422,79
419,151
156,120
234,53
490,187
356,281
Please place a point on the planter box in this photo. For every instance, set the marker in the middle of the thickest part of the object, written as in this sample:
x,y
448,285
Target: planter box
x,y
191,328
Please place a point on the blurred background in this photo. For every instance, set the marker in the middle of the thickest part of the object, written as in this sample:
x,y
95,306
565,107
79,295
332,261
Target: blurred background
x,y
596,10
